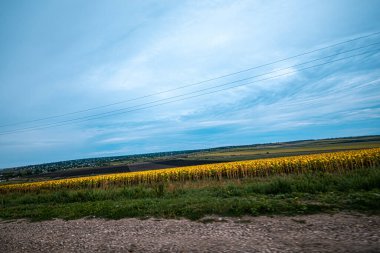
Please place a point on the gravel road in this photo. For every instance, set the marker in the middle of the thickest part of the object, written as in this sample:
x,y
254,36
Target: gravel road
x,y
312,233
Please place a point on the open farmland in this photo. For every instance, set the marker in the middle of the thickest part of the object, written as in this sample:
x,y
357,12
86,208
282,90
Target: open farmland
x,y
282,149
330,162
346,180
155,161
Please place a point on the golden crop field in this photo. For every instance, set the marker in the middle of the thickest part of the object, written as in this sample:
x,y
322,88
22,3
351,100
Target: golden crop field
x,y
327,162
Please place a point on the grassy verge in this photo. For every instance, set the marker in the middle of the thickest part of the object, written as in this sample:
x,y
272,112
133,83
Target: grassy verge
x,y
357,190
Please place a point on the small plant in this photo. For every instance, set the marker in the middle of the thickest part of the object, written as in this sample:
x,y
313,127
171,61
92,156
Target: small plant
x,y
160,189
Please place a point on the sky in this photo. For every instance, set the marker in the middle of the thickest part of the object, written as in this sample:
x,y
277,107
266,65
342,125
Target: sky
x,y
81,79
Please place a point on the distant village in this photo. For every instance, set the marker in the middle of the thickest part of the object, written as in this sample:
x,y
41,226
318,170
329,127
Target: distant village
x,y
25,171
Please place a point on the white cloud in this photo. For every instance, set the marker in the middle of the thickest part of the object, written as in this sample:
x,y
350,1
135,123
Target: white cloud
x,y
191,42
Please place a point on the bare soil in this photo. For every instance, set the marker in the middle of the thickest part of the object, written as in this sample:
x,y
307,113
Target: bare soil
x,y
80,172
312,233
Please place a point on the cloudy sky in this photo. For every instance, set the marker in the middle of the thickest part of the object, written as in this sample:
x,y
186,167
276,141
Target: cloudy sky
x,y
101,78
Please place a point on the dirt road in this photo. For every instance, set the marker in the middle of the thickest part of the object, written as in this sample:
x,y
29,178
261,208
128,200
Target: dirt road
x,y
313,233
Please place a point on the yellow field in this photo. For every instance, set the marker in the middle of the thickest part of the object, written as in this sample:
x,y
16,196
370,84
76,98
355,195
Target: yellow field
x,y
328,162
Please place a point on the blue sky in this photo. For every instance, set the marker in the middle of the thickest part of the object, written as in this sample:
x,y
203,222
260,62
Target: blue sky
x,y
58,57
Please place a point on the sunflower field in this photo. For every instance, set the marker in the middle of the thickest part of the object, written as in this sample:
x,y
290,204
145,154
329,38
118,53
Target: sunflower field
x,y
337,162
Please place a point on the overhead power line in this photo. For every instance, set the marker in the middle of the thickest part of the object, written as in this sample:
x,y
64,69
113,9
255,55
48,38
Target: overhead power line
x,y
128,109
192,84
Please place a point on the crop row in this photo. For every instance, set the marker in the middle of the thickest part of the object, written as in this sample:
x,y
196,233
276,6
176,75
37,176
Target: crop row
x,y
336,162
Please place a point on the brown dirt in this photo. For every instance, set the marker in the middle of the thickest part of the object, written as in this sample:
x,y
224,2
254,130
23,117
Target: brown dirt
x,y
312,233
